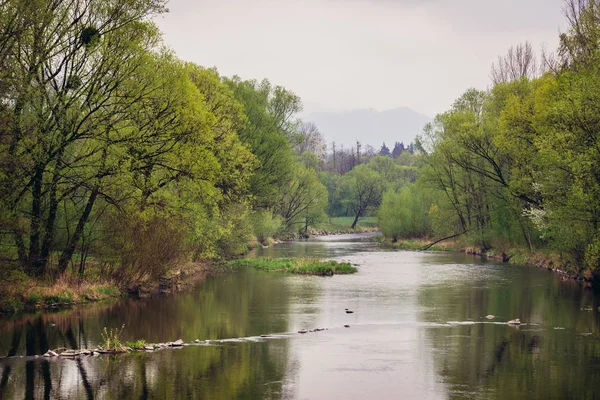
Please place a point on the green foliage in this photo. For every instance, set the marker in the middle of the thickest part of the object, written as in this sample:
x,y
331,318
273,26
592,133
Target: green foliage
x,y
136,344
361,190
302,201
266,132
302,266
235,231
265,224
404,214
111,340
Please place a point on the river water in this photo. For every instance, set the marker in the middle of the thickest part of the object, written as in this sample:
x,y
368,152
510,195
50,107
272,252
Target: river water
x,y
418,331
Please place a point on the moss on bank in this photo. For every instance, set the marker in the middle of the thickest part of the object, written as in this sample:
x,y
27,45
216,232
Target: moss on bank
x,y
302,266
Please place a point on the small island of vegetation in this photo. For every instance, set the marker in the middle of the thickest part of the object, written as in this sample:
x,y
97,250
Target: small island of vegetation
x,y
301,266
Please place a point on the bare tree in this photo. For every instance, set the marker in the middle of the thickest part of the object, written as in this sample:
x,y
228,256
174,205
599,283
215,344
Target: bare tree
x,y
519,62
579,46
311,140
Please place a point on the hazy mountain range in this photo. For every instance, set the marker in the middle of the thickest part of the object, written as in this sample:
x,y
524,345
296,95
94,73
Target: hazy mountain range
x,y
369,126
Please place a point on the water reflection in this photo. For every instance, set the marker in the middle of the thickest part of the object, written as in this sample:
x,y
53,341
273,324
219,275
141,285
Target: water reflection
x,y
550,356
238,305
419,331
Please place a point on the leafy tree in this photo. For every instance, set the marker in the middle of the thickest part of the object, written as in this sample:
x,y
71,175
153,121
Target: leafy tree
x,y
266,133
64,111
362,189
404,214
303,197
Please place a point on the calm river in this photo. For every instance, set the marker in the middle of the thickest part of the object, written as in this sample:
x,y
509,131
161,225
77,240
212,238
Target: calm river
x,y
418,331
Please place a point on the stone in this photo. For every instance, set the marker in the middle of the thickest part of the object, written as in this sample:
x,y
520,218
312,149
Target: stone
x,y
177,343
46,355
52,353
302,331
514,322
346,326
265,335
148,347
490,316
197,341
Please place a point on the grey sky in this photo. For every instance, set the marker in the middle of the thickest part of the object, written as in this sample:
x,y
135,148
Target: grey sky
x,y
357,53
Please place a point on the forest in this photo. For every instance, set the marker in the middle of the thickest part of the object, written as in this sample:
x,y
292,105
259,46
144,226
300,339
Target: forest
x,y
120,160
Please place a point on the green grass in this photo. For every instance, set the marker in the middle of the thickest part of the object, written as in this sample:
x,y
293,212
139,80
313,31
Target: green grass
x,y
343,224
136,344
111,340
302,266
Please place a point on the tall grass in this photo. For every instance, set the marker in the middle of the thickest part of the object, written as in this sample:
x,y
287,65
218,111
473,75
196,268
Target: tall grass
x,y
111,340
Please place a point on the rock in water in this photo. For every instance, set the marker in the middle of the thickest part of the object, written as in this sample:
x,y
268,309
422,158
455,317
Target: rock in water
x,y
514,322
177,343
346,326
490,316
302,331
197,341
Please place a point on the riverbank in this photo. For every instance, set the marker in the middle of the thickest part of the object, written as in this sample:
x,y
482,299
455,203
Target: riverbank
x,y
23,293
514,255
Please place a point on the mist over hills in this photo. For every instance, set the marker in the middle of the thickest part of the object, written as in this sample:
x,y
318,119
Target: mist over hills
x,y
369,126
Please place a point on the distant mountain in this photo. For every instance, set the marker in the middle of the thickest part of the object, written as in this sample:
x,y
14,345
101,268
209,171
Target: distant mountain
x,y
369,126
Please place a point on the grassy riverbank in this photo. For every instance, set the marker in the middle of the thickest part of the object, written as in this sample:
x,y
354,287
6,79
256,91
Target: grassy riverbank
x,y
19,292
302,266
513,255
343,225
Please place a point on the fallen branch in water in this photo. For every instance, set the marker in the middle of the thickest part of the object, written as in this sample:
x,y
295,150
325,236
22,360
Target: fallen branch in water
x,y
442,239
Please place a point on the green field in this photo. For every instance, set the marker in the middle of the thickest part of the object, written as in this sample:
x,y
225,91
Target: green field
x,y
344,223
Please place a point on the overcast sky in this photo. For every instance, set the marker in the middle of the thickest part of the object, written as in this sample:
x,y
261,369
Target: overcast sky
x,y
353,54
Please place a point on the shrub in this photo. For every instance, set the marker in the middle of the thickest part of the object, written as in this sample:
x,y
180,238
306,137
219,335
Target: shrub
x,y
265,224
404,214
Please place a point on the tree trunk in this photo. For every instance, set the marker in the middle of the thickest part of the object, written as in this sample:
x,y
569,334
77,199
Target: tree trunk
x,y
36,222
356,219
67,254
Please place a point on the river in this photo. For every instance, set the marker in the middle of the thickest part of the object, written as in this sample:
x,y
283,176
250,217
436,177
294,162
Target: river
x,y
418,331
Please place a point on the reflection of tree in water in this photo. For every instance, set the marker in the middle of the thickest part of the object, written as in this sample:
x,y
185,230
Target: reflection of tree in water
x,y
498,361
231,305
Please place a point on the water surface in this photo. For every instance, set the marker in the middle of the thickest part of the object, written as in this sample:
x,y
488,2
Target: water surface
x,y
418,331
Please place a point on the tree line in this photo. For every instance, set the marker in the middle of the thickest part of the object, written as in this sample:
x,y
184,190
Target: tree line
x,y
517,165
115,150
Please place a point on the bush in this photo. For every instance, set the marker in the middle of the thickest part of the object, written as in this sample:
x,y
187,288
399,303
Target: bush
x,y
404,214
152,245
265,224
235,232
